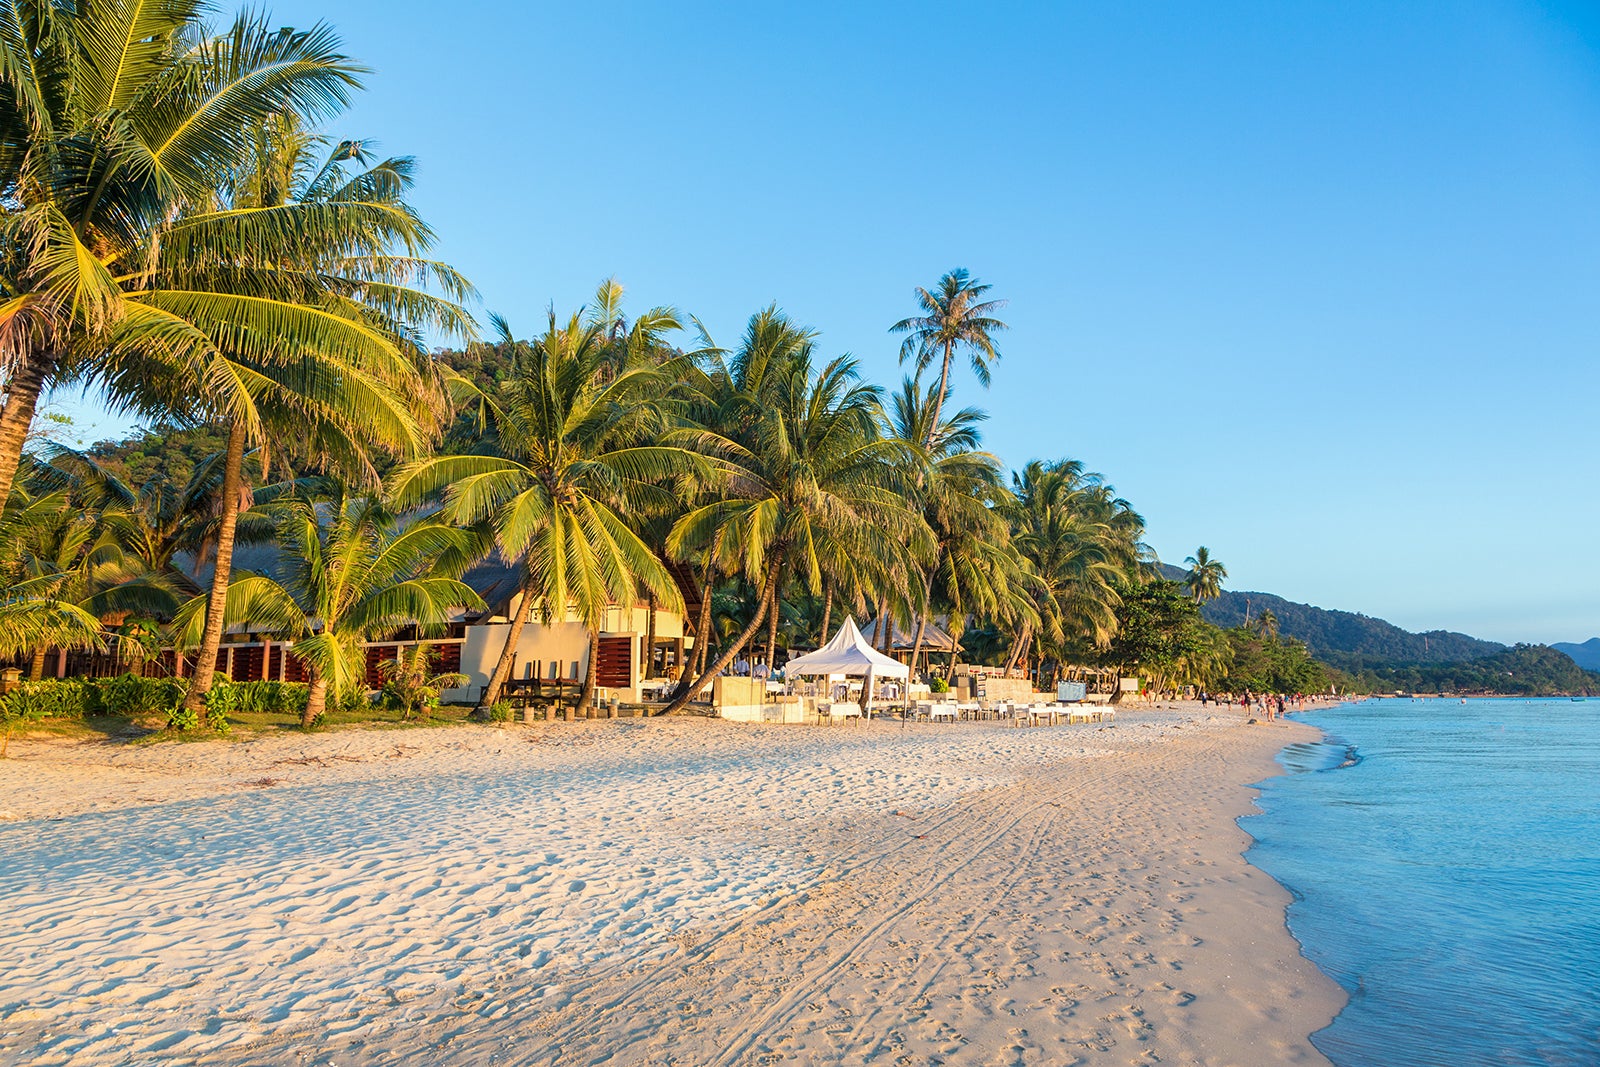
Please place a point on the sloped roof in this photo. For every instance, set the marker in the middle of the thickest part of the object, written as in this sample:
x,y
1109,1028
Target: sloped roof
x,y
934,638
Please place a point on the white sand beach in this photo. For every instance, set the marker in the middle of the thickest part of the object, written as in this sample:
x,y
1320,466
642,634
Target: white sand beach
x,y
679,891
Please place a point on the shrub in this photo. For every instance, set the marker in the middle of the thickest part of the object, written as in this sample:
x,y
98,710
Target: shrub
x,y
62,698
937,684
268,698
183,719
500,711
130,695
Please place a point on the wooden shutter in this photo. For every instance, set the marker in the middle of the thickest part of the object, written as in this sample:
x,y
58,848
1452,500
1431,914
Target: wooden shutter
x,y
614,670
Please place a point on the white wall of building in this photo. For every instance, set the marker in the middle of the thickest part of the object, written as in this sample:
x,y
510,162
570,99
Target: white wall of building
x,y
562,647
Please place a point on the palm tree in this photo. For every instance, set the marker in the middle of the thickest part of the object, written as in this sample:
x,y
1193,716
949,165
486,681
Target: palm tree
x,y
1266,625
1204,580
35,619
349,571
158,519
1080,541
954,316
975,568
808,475
574,446
119,116
410,682
340,232
66,558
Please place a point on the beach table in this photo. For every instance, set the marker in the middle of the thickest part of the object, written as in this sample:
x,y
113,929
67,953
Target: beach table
x,y
942,711
839,710
1045,713
968,709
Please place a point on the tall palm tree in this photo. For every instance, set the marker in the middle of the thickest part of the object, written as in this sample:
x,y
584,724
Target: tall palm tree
x,y
975,567
1266,625
294,224
1204,580
574,448
807,474
118,116
349,571
954,316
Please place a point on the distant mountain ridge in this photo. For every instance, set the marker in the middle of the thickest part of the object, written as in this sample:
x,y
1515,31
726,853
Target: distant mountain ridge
x,y
1344,638
1586,655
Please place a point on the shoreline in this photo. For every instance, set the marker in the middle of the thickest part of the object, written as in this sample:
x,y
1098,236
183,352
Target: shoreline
x,y
672,890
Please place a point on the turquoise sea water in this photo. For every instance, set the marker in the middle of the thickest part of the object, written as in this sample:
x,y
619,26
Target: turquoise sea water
x,y
1445,863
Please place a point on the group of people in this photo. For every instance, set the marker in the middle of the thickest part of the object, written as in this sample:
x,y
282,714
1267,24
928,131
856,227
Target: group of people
x,y
1267,706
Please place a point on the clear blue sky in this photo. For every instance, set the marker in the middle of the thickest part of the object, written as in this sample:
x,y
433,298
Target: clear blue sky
x,y
1316,285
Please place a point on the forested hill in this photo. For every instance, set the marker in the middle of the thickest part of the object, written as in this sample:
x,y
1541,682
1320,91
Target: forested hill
x,y
1347,634
1343,637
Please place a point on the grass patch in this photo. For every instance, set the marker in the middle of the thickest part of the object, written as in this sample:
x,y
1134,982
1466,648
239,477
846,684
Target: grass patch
x,y
372,717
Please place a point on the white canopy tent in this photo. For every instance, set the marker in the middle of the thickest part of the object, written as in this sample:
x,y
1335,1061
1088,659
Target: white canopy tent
x,y
848,654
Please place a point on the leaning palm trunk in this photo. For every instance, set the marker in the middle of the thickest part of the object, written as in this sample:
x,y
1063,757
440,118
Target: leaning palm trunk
x,y
772,631
216,604
36,665
1017,647
721,664
22,397
916,644
316,698
827,614
702,636
502,667
586,698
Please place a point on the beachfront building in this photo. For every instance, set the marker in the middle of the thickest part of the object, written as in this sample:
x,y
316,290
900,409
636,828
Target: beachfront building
x,y
639,644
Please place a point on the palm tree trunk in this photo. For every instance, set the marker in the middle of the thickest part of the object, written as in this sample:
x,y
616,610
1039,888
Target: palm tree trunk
x,y
944,389
211,639
702,634
16,418
36,666
733,648
772,628
922,617
650,639
1017,647
502,667
827,612
586,698
316,697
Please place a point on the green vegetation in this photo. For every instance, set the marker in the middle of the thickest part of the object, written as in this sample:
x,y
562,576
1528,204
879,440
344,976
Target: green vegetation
x,y
182,233
411,685
1332,635
1523,670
